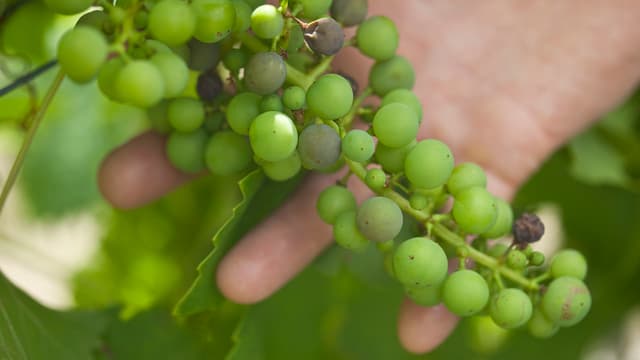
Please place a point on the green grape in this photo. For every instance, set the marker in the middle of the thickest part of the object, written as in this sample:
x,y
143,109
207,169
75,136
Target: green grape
x,y
81,53
271,102
429,164
504,221
420,262
377,37
273,136
243,16
536,258
214,19
117,15
213,121
265,73
379,219
284,169
516,259
465,293
357,145
466,175
174,71
186,150
68,7
185,114
241,111
319,146
567,301
324,36
139,83
510,308
418,201
497,250
392,74
203,56
474,210
227,153
541,327
266,21
293,97
295,39
107,77
330,97
334,201
95,19
346,233
172,22
424,295
392,160
395,125
349,12
235,59
301,60
376,179
313,9
157,115
404,96
570,263
141,20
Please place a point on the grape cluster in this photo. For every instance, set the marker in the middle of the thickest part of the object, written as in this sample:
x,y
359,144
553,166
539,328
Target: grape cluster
x,y
237,84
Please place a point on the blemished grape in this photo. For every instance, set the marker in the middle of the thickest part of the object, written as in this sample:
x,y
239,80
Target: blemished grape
x,y
404,96
227,153
392,160
273,136
349,12
241,111
466,175
418,201
465,293
567,301
395,125
379,219
377,37
209,86
570,263
271,102
284,169
235,59
392,74
425,295
265,73
536,258
185,114
504,221
376,179
330,97
541,327
68,7
357,145
346,233
107,77
186,150
324,36
174,71
429,164
510,308
81,53
214,19
420,262
334,201
293,97
243,16
266,21
475,210
139,83
313,9
172,22
319,146
203,56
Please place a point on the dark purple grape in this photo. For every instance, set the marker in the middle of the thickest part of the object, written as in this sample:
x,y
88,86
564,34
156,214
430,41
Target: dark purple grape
x,y
209,86
324,36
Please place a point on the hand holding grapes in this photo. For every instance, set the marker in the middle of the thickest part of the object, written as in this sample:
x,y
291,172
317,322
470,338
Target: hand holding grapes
x,y
503,84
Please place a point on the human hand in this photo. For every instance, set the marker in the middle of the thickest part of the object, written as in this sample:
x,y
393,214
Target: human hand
x,y
502,82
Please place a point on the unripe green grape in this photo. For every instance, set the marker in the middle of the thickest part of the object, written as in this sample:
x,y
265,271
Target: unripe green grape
x,y
541,327
424,295
273,136
203,56
68,7
295,39
465,293
313,9
357,145
567,301
95,19
349,12
536,258
510,308
172,22
157,116
235,59
346,233
504,221
418,201
174,71
429,164
214,19
395,125
107,78
213,121
392,74
266,21
497,250
376,179
377,37
330,97
81,53
406,97
474,210
319,146
139,83
516,259
379,219
186,150
334,201
570,263
241,111
293,97
271,103
466,175
185,114
392,160
141,20
284,169
117,15
265,73
227,153
420,262
243,16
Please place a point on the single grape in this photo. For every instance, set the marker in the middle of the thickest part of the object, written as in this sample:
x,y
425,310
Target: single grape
x,y
186,150
313,9
395,125
241,111
379,219
429,164
227,153
319,146
568,262
141,20
139,83
424,295
330,97
266,21
243,16
117,15
185,114
377,37
420,262
213,121
466,175
202,56
349,12
265,73
157,115
172,22
334,201
541,327
418,201
392,74
107,78
95,19
214,19
209,86
465,293
174,71
271,102
527,229
536,258
392,160
504,221
293,97
294,39
324,36
68,7
235,59
474,210
376,179
510,308
273,136
357,145
81,53
284,169
346,233
498,250
404,96
567,301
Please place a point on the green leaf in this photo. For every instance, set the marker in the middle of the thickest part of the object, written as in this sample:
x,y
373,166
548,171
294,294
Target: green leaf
x,y
31,331
595,161
261,197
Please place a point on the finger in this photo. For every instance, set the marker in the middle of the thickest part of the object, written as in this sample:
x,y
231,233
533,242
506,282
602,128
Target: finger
x,y
138,172
421,329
